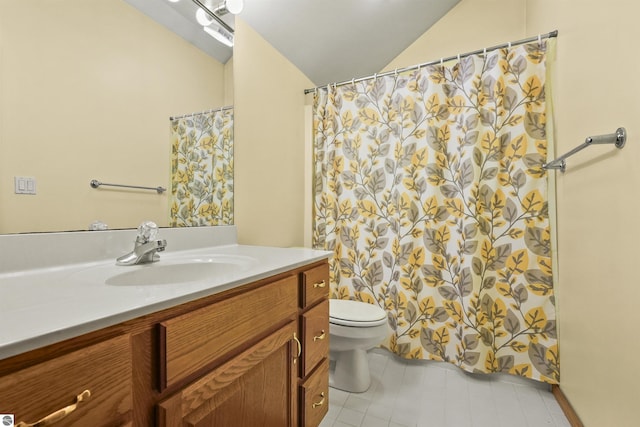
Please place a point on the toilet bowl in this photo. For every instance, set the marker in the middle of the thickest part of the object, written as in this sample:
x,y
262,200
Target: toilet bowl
x,y
354,328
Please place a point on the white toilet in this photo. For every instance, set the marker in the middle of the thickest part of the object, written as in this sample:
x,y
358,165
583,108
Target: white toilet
x,y
354,328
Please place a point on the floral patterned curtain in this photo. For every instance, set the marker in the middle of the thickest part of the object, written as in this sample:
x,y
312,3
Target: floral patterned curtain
x,y
429,190
202,169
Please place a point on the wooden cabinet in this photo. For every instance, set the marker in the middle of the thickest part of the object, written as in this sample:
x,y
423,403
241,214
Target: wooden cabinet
x,y
313,394
256,388
199,338
91,386
255,355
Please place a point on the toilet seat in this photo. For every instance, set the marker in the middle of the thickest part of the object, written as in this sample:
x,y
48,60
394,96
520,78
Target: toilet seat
x,y
355,314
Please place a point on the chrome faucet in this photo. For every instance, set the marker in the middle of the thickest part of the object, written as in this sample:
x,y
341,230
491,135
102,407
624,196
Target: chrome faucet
x,y
146,246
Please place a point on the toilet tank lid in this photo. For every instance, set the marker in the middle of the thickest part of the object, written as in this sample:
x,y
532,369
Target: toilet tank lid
x,y
355,311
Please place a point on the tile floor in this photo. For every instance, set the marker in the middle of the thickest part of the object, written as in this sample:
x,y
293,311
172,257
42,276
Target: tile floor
x,y
435,394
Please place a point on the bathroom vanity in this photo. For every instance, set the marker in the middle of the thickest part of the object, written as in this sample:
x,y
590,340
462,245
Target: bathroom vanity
x,y
247,346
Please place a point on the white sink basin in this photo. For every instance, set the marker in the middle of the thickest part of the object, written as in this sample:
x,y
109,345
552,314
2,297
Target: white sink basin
x,y
169,271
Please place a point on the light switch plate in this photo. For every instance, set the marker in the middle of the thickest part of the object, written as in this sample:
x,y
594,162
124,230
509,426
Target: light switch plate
x,y
25,184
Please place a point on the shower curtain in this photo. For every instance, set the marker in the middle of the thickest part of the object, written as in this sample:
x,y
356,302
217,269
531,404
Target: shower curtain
x,y
202,169
429,190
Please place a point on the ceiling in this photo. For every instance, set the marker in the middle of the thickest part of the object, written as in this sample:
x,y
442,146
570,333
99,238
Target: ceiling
x,y
328,40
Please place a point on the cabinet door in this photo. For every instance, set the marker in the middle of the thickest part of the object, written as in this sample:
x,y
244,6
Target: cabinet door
x,y
199,338
256,388
91,386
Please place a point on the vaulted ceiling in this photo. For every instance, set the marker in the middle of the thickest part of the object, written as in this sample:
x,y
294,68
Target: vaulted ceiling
x,y
336,40
328,40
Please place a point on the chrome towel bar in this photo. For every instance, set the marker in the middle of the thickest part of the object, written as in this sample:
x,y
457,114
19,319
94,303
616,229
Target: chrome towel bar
x,y
619,138
95,184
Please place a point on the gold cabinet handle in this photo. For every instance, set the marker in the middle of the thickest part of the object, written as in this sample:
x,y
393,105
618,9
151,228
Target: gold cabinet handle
x,y
320,284
319,337
316,404
295,337
59,414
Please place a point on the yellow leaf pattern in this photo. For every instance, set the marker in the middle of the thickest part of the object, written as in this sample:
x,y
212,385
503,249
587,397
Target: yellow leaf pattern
x,y
429,190
202,169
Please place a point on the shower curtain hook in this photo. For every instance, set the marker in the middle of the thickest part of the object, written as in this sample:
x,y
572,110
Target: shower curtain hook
x,y
375,77
484,51
395,72
509,45
458,57
353,81
539,39
441,62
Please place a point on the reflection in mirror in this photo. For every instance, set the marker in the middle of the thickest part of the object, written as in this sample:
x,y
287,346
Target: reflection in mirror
x,y
86,90
202,169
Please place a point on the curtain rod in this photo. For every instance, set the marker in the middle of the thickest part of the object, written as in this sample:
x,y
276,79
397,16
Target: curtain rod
x,y
413,67
228,107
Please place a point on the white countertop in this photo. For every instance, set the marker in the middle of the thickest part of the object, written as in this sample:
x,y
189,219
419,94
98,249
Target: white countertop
x,y
47,305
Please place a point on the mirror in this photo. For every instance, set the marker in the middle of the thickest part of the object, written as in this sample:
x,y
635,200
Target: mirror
x,y
86,92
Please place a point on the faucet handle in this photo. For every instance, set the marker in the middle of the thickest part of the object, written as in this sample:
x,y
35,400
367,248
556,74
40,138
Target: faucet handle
x,y
147,231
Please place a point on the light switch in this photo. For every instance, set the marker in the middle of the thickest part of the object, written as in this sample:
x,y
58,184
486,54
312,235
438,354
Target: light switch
x,y
25,184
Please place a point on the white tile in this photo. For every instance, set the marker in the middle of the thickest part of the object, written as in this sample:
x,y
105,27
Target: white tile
x,y
337,397
380,410
375,383
333,411
481,404
350,417
457,409
405,415
355,402
533,407
371,421
560,419
434,419
438,394
434,377
326,422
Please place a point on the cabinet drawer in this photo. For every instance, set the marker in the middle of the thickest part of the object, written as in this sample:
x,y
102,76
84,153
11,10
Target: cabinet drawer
x,y
194,340
314,396
105,369
315,285
315,336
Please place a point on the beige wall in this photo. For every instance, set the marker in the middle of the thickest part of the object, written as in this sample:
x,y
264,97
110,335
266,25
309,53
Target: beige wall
x,y
269,148
595,91
596,204
468,26
86,90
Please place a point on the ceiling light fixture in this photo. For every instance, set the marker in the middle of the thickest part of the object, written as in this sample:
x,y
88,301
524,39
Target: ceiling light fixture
x,y
219,30
203,17
219,34
229,6
212,15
